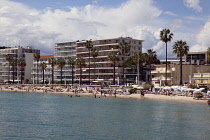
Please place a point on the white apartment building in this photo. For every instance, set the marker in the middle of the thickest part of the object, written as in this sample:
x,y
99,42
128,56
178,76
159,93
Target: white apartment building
x,y
64,50
17,52
104,68
38,75
194,70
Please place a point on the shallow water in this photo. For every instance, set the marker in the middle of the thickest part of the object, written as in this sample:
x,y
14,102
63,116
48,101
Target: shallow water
x,y
49,116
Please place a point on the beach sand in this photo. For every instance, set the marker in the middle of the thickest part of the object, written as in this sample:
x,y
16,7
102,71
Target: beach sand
x,y
136,96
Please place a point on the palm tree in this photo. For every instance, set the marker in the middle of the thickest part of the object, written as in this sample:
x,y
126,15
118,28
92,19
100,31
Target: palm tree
x,y
37,57
208,54
94,54
180,48
166,37
151,58
139,60
9,58
89,46
80,62
52,62
113,57
21,63
71,62
14,65
43,66
61,63
124,48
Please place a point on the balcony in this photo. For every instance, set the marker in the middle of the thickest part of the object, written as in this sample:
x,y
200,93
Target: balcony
x,y
205,75
197,75
161,71
161,78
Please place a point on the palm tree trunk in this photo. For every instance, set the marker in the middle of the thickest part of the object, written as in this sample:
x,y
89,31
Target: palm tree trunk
x,y
43,76
52,75
21,76
80,76
123,76
13,75
114,75
94,70
36,72
89,66
72,75
180,70
150,77
166,67
61,75
9,73
140,75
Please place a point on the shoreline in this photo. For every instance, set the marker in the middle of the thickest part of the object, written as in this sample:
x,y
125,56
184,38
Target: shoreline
x,y
28,89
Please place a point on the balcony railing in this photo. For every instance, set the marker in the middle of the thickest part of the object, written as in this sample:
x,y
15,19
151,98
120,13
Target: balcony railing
x,y
161,71
197,75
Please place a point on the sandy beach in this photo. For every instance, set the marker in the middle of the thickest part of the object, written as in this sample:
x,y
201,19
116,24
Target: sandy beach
x,y
62,90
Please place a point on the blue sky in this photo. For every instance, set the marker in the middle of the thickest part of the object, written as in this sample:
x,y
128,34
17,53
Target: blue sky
x,y
42,23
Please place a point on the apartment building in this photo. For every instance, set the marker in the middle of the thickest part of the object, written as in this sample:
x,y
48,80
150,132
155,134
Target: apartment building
x,y
102,69
201,75
37,74
64,50
17,52
173,74
196,58
195,70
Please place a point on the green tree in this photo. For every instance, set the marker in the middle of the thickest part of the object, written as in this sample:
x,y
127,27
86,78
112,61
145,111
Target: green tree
x,y
180,48
151,58
9,58
43,66
71,62
14,65
166,36
80,62
37,58
114,58
89,46
94,54
52,62
61,63
124,48
208,55
139,60
136,61
21,63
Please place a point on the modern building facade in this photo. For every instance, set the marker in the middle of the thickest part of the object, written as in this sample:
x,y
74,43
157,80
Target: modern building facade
x,y
37,74
101,69
6,72
195,69
196,58
65,50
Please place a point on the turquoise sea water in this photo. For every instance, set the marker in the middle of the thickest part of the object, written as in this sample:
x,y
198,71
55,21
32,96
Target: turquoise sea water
x,y
34,116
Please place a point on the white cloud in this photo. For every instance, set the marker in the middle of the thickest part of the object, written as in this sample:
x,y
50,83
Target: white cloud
x,y
193,4
22,25
175,24
170,13
95,1
203,41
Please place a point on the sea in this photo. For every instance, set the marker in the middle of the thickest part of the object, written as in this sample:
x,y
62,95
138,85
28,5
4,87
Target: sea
x,y
37,116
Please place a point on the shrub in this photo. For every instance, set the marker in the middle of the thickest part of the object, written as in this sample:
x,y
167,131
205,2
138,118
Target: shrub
x,y
146,87
133,90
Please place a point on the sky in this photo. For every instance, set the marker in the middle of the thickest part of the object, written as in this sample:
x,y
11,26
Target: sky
x,y
42,23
